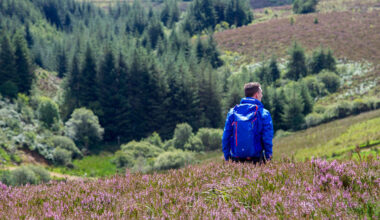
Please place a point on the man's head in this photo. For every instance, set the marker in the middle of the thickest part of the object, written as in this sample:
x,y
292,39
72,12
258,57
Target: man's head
x,y
253,90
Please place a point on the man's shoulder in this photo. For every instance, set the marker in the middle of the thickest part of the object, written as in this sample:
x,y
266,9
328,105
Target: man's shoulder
x,y
265,114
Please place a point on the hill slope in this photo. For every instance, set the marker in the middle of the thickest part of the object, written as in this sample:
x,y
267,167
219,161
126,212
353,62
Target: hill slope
x,y
355,36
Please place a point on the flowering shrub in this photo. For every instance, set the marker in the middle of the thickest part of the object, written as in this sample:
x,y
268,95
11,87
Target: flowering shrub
x,y
314,189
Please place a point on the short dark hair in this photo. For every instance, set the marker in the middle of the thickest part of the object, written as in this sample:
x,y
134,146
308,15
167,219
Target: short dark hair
x,y
250,89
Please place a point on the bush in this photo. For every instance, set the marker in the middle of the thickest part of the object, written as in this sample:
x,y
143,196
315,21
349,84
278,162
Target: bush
x,y
341,110
359,105
154,139
67,144
141,149
331,80
41,173
61,156
182,134
173,160
313,119
22,176
304,6
123,159
48,111
194,144
9,89
84,128
211,138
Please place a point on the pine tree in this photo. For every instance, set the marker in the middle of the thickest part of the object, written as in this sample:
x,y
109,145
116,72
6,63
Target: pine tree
x,y
108,95
277,107
62,63
7,63
307,100
318,60
330,62
297,64
293,118
23,66
273,69
87,94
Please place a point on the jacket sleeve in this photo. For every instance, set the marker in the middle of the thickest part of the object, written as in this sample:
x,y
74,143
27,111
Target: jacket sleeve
x,y
267,134
227,133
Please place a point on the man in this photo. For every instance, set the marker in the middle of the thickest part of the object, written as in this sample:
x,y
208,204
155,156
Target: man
x,y
248,131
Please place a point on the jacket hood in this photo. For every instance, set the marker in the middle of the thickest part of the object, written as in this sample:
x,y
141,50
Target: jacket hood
x,y
247,109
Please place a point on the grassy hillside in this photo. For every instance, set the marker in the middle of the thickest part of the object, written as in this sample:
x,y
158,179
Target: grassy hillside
x,y
314,189
335,139
350,35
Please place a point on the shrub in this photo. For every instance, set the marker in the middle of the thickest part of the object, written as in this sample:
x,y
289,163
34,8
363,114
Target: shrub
x,y
182,134
211,138
173,160
67,144
169,144
194,144
331,80
123,159
313,119
341,110
141,149
304,6
61,156
359,105
84,128
22,176
154,139
316,88
9,89
48,111
41,173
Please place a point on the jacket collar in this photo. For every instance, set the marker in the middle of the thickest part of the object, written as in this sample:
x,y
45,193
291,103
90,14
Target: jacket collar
x,y
250,100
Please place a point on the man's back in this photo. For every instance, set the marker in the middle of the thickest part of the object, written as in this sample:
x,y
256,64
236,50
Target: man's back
x,y
248,131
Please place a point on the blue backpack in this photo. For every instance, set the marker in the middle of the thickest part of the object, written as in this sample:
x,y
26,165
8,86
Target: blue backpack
x,y
245,131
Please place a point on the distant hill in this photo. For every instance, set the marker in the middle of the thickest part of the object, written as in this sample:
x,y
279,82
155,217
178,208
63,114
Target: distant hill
x,y
350,35
268,3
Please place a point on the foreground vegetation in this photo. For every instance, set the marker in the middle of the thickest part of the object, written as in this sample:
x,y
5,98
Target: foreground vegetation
x,y
313,189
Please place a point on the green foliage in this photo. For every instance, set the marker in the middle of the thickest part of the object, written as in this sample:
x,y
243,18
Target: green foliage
x,y
321,60
182,134
304,6
25,175
61,156
9,89
173,160
331,81
67,144
48,111
293,118
297,63
154,139
206,14
123,159
84,128
210,138
141,149
194,144
314,119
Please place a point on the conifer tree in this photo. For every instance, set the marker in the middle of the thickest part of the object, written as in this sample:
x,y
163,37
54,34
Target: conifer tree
x,y
273,69
62,63
23,66
297,64
108,95
7,64
87,94
277,107
293,118
307,100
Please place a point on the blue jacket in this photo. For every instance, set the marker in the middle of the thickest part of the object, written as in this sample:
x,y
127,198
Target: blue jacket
x,y
263,137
